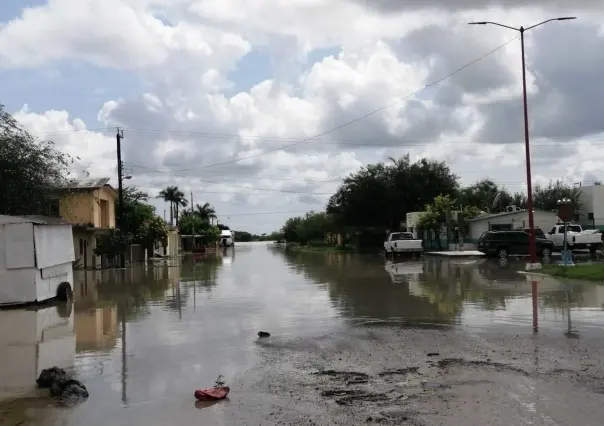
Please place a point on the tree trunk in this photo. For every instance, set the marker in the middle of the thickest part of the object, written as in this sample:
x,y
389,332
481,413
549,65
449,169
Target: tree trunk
x,y
171,214
176,214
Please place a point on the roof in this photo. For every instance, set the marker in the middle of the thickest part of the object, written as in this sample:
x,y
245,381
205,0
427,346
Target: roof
x,y
90,183
38,220
492,216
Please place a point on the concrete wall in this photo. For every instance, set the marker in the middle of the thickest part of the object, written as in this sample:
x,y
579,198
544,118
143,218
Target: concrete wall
x,y
592,200
543,220
85,207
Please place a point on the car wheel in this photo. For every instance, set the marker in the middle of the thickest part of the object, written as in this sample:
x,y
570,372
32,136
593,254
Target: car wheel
x,y
546,253
502,253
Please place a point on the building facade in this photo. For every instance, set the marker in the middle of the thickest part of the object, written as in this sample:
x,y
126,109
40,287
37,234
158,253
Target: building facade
x,y
509,220
88,204
591,213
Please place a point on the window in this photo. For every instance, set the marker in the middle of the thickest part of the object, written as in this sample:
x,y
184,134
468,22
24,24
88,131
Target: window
x,y
573,228
500,226
81,246
104,214
553,231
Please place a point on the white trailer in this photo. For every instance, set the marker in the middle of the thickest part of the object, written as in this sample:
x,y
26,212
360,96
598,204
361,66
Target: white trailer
x,y
36,259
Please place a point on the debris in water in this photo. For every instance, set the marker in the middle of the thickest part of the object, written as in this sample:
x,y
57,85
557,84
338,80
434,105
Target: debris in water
x,y
433,354
219,391
61,386
49,375
263,334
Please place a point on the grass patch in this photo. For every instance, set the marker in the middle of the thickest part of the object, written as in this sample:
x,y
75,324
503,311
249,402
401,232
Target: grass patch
x,y
588,272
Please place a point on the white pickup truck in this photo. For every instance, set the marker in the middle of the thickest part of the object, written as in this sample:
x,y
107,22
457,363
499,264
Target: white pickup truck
x,y
402,242
576,237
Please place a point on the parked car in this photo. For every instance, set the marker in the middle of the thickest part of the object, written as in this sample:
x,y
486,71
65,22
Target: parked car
x,y
576,238
538,232
402,242
515,243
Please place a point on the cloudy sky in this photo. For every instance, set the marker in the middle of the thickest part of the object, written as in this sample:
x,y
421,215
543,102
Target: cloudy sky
x,y
261,107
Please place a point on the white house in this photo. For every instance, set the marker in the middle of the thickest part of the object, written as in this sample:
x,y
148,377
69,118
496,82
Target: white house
x,y
36,259
592,206
512,219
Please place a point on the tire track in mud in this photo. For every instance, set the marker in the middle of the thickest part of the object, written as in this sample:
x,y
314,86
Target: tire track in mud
x,y
388,400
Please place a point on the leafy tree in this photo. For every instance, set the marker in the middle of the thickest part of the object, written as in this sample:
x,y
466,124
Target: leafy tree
x,y
29,170
244,237
140,221
439,214
482,194
382,194
546,197
310,228
112,244
192,224
176,198
205,212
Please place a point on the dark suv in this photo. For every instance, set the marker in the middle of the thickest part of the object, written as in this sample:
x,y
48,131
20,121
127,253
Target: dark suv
x,y
505,243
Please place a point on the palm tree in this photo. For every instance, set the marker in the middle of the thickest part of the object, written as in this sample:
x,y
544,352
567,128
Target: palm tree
x,y
180,201
169,196
176,198
205,212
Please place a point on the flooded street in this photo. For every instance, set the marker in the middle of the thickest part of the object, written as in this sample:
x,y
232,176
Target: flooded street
x,y
354,340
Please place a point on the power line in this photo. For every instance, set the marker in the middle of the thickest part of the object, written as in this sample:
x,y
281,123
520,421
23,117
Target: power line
x,y
353,142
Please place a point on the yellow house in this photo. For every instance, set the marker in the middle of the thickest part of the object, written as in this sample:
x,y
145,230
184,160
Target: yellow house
x,y
88,204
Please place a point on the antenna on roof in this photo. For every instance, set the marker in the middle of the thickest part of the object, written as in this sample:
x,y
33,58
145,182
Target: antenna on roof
x,y
497,202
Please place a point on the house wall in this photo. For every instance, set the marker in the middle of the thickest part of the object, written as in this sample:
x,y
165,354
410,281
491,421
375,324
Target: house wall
x,y
543,220
85,207
592,200
86,248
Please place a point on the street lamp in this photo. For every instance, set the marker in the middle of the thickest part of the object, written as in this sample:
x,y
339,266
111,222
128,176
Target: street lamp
x,y
529,187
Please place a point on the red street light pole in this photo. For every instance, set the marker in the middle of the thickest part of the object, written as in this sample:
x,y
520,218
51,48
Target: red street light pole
x,y
529,186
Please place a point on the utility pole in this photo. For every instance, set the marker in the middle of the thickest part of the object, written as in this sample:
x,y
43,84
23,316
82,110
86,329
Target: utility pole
x,y
120,212
534,264
193,223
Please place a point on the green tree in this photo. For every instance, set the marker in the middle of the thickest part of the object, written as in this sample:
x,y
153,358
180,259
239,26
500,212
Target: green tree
x,y
30,170
546,197
140,221
310,228
440,214
192,224
205,212
176,198
380,195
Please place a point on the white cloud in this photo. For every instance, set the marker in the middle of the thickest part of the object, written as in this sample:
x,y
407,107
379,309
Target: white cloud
x,y
188,119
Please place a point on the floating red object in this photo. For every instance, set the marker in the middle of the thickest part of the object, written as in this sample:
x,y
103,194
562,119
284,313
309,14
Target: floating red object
x,y
212,394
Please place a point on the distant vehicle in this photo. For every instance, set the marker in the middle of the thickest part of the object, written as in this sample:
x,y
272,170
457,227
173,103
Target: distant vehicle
x,y
36,261
402,242
576,238
227,238
505,243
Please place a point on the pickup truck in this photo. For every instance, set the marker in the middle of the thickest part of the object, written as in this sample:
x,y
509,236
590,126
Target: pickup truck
x,y
402,242
576,238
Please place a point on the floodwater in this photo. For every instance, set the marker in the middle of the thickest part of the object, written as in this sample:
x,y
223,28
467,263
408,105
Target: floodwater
x,y
144,339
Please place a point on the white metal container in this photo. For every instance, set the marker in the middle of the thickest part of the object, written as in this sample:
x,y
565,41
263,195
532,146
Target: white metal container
x,y
36,259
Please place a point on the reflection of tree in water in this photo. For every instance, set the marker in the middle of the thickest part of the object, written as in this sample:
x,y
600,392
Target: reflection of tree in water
x,y
133,293
195,274
486,284
361,288
560,301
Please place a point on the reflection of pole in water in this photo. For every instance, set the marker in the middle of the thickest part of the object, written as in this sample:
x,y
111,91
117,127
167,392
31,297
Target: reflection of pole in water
x,y
535,295
178,300
124,368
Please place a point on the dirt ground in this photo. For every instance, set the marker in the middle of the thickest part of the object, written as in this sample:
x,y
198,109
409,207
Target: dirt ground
x,y
426,377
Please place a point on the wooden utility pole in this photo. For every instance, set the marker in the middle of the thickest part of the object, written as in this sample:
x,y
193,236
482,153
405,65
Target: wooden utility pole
x,y
120,212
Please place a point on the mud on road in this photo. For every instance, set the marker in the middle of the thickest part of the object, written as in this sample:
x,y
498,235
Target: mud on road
x,y
429,377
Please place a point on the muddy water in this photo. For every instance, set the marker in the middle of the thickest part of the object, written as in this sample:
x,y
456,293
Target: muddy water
x,y
143,340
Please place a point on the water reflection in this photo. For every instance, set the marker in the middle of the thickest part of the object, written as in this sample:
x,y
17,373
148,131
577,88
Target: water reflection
x,y
145,337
